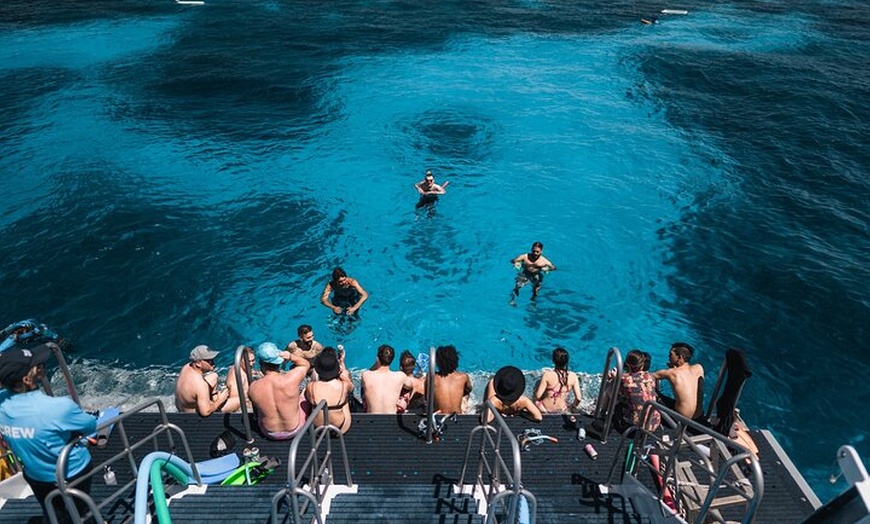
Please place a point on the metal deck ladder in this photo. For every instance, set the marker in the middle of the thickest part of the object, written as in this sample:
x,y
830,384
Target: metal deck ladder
x,y
317,468
500,480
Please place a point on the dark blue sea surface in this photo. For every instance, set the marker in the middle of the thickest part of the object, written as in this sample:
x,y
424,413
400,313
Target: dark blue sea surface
x,y
178,175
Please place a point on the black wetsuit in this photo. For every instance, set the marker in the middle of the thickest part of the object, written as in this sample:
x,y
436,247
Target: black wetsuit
x,y
344,296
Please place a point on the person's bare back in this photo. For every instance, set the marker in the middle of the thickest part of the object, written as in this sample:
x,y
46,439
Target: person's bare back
x,y
687,381
450,389
276,398
382,388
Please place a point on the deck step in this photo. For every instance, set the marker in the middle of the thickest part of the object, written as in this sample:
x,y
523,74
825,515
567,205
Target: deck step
x,y
404,504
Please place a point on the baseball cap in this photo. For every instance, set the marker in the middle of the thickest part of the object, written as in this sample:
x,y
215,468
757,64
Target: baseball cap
x,y
202,352
269,353
16,362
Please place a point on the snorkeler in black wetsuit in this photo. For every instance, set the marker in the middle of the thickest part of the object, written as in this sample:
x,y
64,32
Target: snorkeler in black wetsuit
x,y
347,295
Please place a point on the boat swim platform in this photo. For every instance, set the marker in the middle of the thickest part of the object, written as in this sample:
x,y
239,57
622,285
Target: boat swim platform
x,y
385,451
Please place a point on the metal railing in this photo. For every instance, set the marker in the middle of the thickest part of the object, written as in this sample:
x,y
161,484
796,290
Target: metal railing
x,y
500,482
430,398
607,397
316,468
680,451
64,370
243,394
69,490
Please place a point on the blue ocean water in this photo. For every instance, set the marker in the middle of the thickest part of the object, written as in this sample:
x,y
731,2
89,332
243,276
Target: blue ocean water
x,y
179,175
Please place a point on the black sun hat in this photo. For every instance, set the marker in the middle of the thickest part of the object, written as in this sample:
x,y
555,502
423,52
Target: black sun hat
x,y
509,384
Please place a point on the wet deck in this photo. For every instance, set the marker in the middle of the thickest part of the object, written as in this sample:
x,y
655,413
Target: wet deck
x,y
384,451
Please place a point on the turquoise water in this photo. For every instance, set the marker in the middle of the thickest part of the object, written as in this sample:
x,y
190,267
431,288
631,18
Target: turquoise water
x,y
182,175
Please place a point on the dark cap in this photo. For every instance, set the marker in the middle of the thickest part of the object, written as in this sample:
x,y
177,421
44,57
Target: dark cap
x,y
509,384
326,365
16,362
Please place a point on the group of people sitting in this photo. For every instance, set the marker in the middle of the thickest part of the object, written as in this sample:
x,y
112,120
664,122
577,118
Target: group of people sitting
x,y
282,400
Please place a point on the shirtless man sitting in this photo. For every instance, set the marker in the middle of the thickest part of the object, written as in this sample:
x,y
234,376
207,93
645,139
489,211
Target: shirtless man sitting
x,y
687,381
451,386
196,389
381,388
276,397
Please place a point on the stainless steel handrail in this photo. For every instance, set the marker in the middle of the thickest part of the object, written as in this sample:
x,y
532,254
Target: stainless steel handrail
x,y
430,398
607,397
243,395
318,470
680,446
69,489
492,474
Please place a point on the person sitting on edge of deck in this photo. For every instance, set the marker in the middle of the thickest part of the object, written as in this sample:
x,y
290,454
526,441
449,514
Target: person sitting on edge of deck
x,y
411,398
687,382
636,388
233,403
335,392
552,392
451,387
505,391
281,408
196,390
381,387
347,294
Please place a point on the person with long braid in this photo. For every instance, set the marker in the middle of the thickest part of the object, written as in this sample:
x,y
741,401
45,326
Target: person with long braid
x,y
552,392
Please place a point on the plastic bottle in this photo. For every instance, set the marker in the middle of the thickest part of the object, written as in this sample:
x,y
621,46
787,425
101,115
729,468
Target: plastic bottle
x,y
590,450
109,476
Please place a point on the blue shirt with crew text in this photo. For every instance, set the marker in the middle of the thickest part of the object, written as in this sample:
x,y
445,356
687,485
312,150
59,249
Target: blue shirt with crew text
x,y
37,427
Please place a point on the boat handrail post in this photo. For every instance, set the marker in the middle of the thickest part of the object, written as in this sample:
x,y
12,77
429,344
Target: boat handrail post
x,y
243,395
493,431
430,398
320,475
65,372
607,397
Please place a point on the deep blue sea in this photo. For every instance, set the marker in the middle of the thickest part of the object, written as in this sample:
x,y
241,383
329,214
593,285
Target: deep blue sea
x,y
177,175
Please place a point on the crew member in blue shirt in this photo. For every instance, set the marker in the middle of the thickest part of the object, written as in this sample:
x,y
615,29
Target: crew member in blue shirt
x,y
37,426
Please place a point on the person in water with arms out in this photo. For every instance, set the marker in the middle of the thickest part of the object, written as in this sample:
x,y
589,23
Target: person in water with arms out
x,y
347,295
532,267
429,190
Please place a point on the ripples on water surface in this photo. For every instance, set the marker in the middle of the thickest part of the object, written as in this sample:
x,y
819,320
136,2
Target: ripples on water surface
x,y
178,175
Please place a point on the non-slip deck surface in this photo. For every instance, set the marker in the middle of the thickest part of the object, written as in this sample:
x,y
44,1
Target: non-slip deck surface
x,y
385,454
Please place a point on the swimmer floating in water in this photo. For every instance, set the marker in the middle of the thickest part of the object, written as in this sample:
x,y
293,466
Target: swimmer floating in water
x,y
429,190
347,295
532,267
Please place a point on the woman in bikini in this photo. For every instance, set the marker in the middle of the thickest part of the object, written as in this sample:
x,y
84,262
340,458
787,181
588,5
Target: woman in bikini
x,y
335,392
551,395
